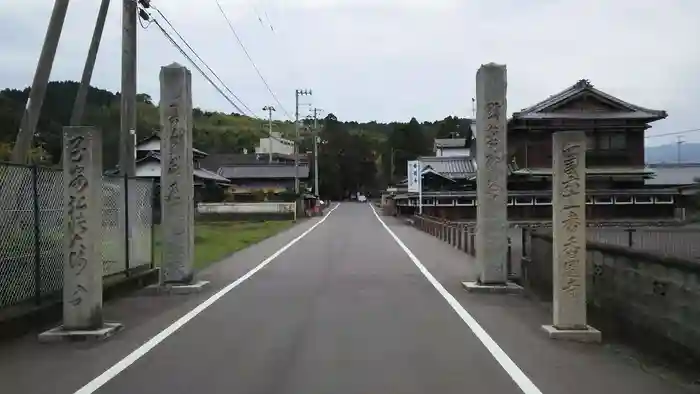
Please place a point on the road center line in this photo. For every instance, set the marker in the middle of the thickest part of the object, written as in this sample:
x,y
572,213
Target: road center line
x,y
518,376
124,363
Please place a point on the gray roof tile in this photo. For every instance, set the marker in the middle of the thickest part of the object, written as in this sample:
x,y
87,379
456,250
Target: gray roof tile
x,y
450,142
535,111
263,171
455,167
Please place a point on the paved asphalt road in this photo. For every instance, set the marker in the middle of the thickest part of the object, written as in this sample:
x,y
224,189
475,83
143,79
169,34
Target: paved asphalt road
x,y
344,310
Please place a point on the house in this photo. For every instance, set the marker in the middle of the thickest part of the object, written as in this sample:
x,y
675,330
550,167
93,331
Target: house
x,y
452,147
458,146
253,174
148,165
215,161
618,181
250,179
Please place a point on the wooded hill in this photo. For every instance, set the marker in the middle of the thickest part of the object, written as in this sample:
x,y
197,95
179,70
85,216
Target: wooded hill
x,y
350,155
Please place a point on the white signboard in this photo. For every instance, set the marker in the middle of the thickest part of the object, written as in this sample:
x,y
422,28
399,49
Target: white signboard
x,y
414,175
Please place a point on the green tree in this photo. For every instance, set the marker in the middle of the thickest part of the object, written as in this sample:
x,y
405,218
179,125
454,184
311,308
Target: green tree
x,y
454,127
347,160
406,142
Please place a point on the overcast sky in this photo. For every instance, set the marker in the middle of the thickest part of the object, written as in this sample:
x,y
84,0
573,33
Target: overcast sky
x,y
390,60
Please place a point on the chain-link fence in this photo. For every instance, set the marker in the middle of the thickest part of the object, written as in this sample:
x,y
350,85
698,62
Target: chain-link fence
x,y
31,230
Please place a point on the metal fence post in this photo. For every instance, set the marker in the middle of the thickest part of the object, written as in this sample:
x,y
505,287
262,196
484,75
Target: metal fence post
x,y
472,247
630,237
153,224
127,241
37,234
509,263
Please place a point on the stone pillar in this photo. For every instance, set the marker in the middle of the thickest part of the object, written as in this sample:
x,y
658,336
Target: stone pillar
x,y
569,232
82,241
491,180
177,188
82,205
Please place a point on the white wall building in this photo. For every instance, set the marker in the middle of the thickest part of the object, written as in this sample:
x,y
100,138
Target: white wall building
x,y
448,147
275,144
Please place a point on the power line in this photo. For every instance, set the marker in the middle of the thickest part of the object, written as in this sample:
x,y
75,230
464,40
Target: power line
x,y
150,20
202,61
673,133
257,70
196,66
260,19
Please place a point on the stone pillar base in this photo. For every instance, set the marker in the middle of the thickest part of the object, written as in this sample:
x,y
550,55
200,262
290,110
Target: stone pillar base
x,y
59,334
169,288
586,335
506,288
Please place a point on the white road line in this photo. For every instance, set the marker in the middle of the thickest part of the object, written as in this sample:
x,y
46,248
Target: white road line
x,y
124,363
518,376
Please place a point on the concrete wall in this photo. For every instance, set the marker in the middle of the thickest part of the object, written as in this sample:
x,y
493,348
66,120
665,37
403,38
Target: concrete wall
x,y
445,152
647,299
245,208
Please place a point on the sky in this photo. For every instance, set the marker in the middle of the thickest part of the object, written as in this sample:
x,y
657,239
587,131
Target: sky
x,y
389,60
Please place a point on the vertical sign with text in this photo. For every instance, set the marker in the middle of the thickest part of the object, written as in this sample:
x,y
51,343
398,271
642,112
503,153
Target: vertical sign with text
x,y
414,176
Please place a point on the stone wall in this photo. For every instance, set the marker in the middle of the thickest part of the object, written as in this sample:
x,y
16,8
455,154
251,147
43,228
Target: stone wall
x,y
639,297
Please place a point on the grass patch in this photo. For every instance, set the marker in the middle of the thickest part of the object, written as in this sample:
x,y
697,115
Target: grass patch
x,y
215,240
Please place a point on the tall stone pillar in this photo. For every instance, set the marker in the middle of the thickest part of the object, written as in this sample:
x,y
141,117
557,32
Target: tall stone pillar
x,y
491,180
569,232
82,242
176,183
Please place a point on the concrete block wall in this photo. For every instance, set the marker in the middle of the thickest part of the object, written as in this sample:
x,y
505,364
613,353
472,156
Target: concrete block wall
x,y
640,297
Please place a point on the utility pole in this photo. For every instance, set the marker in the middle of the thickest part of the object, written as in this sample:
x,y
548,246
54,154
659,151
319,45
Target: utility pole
x,y
679,142
30,118
269,109
127,129
79,104
298,92
315,135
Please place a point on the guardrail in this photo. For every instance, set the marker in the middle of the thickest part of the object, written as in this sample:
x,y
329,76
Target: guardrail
x,y
462,236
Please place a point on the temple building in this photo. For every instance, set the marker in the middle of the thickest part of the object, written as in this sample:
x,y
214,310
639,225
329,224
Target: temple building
x,y
619,184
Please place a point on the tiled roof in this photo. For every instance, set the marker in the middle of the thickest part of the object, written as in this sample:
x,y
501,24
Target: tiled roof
x,y
152,143
201,173
206,174
454,167
263,171
218,160
635,111
450,142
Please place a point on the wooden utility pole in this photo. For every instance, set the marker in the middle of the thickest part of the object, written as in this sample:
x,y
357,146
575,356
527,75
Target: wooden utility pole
x,y
127,129
298,92
315,137
30,118
79,106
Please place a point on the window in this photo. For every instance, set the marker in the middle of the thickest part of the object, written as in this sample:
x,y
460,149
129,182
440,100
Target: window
x,y
618,141
590,141
606,141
